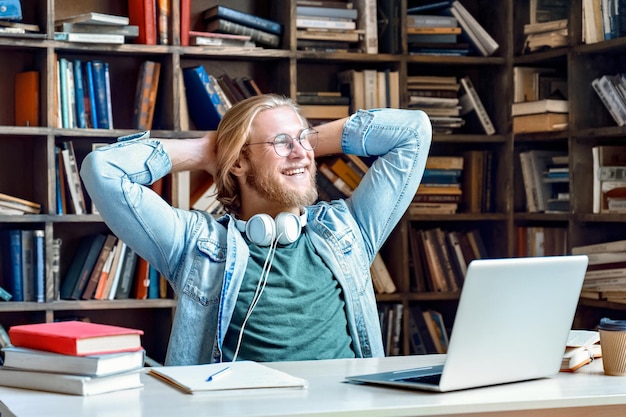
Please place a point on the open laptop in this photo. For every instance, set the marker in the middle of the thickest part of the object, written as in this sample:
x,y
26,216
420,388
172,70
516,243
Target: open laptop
x,y
512,324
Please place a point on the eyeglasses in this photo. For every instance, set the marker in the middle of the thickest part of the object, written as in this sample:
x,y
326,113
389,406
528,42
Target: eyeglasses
x,y
283,143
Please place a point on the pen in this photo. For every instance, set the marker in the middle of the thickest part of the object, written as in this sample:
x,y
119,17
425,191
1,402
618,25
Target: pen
x,y
218,374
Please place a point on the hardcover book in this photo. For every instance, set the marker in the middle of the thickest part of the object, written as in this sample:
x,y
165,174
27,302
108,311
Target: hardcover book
x,y
76,338
243,18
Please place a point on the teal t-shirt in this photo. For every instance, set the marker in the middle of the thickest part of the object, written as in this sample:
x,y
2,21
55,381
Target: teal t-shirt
x,y
299,316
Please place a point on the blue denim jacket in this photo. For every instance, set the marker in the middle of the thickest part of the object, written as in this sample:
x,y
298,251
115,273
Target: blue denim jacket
x,y
204,258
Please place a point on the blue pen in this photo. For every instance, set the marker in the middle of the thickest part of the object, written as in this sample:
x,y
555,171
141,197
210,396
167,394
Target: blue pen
x,y
217,374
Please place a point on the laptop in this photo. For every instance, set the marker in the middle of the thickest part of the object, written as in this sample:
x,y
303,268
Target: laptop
x,y
512,323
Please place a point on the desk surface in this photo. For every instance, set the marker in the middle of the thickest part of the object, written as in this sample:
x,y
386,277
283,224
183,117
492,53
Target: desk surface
x,y
563,395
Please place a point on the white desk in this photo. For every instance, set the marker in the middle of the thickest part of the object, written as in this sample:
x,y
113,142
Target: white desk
x,y
563,395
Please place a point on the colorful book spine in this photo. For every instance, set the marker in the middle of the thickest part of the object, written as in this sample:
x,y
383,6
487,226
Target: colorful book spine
x,y
100,94
39,265
81,114
204,103
93,105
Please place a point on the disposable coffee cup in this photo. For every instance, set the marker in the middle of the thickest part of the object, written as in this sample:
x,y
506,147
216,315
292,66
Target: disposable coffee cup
x,y
613,342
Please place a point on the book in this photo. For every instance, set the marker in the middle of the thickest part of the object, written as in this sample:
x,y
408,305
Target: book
x,y
92,365
11,250
242,18
367,21
128,31
23,205
383,283
27,98
473,31
76,338
110,38
73,178
142,13
259,36
193,379
145,95
205,107
540,106
581,348
185,21
335,12
91,283
611,98
95,18
69,384
606,156
127,274
85,266
543,122
471,102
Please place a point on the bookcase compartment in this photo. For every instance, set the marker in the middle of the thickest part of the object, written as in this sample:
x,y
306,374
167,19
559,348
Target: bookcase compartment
x,y
24,157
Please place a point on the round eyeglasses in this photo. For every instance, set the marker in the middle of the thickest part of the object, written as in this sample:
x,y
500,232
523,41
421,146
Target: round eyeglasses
x,y
283,143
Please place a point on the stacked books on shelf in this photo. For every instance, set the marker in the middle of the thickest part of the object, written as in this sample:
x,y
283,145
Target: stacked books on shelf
x,y
10,28
146,95
546,180
370,88
606,272
83,94
23,265
470,37
440,191
602,20
612,92
264,32
435,35
541,241
106,268
93,27
609,178
209,97
325,28
153,18
221,41
339,175
545,35
320,106
10,205
73,357
438,96
440,258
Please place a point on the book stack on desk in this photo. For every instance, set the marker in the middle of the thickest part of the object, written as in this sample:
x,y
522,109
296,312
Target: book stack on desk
x,y
73,357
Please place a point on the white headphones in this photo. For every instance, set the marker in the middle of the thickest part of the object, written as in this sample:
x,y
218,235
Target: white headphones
x,y
262,229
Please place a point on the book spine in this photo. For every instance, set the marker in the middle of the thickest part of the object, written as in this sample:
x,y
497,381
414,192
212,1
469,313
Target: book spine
x,y
93,103
610,97
368,22
185,21
249,20
16,278
27,98
81,116
39,265
327,12
100,94
142,13
203,101
482,114
312,23
142,95
107,89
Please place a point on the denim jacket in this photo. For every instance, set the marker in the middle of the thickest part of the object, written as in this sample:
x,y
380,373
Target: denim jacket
x,y
204,258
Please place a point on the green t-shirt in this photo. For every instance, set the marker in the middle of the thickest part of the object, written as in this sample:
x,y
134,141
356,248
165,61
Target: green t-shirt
x,y
299,316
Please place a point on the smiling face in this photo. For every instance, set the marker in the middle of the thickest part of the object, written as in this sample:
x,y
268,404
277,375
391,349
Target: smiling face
x,y
271,183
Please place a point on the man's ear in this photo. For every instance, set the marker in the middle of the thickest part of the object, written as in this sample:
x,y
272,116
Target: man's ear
x,y
240,167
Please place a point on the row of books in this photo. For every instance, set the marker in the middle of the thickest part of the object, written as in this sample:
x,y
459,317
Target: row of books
x,y
606,272
427,331
329,29
612,92
390,318
541,241
22,255
545,175
106,268
439,258
209,96
262,31
52,357
338,176
609,178
450,102
370,88
602,20
12,205
447,28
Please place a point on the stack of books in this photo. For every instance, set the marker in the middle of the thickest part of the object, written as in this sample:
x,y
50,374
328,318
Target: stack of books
x,y
95,28
438,96
264,32
320,106
440,190
545,35
14,205
435,35
73,357
329,29
606,272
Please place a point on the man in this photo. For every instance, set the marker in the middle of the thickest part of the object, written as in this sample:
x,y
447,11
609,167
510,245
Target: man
x,y
244,292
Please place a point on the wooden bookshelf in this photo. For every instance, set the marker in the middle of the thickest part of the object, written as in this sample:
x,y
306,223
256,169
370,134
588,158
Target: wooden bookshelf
x,y
27,157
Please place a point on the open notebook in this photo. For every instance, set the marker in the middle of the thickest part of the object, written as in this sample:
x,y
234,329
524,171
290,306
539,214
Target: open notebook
x,y
512,324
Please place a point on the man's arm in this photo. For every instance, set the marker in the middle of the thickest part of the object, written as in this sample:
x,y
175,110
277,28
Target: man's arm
x,y
192,154
329,137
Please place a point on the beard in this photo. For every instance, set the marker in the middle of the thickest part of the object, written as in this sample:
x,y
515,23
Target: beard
x,y
267,186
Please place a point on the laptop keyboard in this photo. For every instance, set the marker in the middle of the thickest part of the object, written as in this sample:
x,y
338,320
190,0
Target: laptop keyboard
x,y
424,379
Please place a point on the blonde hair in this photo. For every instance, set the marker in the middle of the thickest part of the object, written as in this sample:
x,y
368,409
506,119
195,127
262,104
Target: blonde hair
x,y
232,134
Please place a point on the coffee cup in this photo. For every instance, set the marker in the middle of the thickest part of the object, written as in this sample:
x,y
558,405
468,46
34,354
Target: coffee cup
x,y
613,342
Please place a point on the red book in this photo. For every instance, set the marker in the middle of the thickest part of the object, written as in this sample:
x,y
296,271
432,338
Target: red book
x,y
185,21
142,13
76,338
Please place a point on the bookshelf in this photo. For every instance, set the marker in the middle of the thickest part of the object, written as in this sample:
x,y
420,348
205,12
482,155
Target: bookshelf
x,y
27,153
